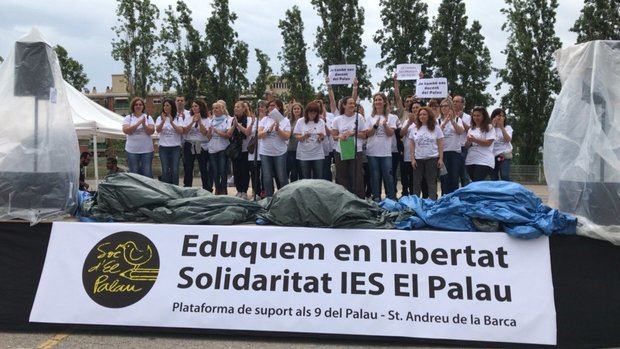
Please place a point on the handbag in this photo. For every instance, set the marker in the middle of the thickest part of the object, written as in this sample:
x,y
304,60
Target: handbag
x,y
252,145
233,150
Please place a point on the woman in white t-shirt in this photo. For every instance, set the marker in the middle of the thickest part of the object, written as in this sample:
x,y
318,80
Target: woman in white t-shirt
x,y
452,127
292,164
349,172
480,160
426,144
502,147
219,134
241,135
253,151
380,133
196,144
310,134
275,136
408,122
139,128
170,130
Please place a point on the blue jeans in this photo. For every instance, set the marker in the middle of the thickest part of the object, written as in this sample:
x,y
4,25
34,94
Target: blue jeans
x,y
327,166
141,164
218,162
169,157
188,167
464,176
273,166
381,167
311,169
450,181
292,166
501,170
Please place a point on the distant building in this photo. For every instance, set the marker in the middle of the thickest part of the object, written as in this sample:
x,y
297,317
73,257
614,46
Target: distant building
x,y
117,100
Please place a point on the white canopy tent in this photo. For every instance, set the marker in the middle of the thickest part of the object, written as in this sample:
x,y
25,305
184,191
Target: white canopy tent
x,y
91,120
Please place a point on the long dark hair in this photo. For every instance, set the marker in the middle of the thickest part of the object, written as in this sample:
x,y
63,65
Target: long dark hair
x,y
343,104
497,112
279,105
312,107
486,120
430,123
173,107
203,109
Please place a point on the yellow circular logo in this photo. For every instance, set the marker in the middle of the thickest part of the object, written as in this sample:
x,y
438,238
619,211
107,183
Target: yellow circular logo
x,y
120,269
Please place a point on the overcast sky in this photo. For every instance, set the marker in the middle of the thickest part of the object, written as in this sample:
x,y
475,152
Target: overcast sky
x,y
84,29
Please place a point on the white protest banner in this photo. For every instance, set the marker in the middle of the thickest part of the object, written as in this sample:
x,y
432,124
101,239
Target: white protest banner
x,y
342,74
432,88
408,71
442,285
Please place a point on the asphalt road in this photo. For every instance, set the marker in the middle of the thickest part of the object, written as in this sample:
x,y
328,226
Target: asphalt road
x,y
90,340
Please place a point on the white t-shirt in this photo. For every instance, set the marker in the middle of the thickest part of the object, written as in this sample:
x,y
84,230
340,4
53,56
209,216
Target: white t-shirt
x,y
328,142
466,119
218,143
244,144
311,148
273,144
258,144
500,145
477,154
380,144
344,123
139,142
426,142
169,137
194,134
451,139
183,117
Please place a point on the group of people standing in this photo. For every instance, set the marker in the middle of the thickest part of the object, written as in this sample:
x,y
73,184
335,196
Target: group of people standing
x,y
430,142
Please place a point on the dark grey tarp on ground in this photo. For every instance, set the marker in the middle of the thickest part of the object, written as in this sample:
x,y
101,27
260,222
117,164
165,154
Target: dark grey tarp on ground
x,y
323,204
130,197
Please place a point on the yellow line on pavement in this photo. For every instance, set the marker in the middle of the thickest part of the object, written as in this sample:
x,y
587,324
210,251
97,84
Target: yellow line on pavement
x,y
52,342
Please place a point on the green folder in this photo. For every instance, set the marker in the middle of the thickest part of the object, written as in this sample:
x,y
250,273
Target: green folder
x,y
347,149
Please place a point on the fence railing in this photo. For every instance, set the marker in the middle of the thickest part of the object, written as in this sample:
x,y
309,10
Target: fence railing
x,y
527,174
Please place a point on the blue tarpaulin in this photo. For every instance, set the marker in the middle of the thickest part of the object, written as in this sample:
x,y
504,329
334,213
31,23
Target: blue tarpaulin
x,y
520,212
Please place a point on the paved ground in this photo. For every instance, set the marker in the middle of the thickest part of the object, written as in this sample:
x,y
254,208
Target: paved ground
x,y
80,339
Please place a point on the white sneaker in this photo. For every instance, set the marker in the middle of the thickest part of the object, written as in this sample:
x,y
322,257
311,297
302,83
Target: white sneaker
x,y
238,195
244,196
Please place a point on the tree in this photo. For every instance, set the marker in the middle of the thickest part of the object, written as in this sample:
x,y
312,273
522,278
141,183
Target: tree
x,y
458,53
402,38
293,56
447,44
529,73
72,70
1,59
339,40
136,33
475,68
180,46
599,20
227,56
265,74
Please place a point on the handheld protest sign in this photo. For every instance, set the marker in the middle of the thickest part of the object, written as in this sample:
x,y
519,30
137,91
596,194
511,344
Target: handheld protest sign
x,y
342,74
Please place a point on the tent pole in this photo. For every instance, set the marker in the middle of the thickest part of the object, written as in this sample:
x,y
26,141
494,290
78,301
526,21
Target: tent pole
x,y
96,159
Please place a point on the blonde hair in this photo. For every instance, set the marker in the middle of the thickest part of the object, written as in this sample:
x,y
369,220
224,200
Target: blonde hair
x,y
223,104
385,104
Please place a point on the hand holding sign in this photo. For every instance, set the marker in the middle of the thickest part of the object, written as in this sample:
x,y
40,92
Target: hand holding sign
x,y
408,71
342,74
